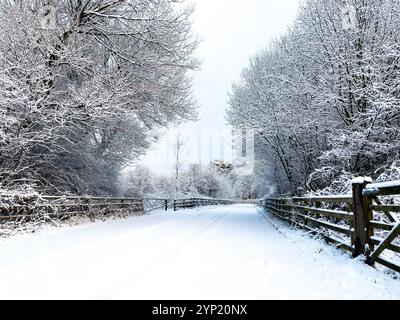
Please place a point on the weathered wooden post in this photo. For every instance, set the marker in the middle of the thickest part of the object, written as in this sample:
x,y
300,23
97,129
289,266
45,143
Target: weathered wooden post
x,y
166,205
363,231
174,205
142,206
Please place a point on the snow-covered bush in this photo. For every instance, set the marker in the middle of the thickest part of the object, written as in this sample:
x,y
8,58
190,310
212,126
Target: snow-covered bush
x,y
138,183
337,182
245,188
389,174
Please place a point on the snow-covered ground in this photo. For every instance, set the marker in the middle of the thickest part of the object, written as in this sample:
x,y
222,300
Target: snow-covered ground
x,y
209,253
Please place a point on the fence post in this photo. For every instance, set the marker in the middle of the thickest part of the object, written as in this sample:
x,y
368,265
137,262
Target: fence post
x,y
174,205
362,217
166,205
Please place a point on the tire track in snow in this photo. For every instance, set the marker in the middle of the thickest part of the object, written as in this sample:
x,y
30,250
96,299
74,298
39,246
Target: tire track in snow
x,y
166,255
188,224
138,234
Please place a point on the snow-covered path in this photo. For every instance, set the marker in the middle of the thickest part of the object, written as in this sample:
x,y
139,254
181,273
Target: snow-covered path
x,y
210,253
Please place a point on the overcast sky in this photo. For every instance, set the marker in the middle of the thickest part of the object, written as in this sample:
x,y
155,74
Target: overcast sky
x,y
231,32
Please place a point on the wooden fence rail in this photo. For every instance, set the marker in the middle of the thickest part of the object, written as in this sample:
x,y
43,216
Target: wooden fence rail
x,y
364,222
201,202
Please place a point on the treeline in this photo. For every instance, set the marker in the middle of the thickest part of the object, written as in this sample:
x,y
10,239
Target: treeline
x,y
324,98
83,83
219,179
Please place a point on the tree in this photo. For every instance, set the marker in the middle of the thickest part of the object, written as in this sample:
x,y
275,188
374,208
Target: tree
x,y
222,167
324,97
80,95
178,149
197,181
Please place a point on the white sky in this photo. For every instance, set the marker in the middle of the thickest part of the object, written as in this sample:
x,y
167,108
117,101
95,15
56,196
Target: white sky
x,y
231,32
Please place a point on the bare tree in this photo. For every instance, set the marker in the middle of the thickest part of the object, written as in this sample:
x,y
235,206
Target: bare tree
x,y
178,150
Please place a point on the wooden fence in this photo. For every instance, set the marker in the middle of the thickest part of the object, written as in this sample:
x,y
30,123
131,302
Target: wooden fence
x,y
201,202
17,208
364,222
21,208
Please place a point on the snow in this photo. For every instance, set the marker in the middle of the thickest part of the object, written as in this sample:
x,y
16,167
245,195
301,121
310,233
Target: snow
x,y
361,180
229,252
333,197
389,184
